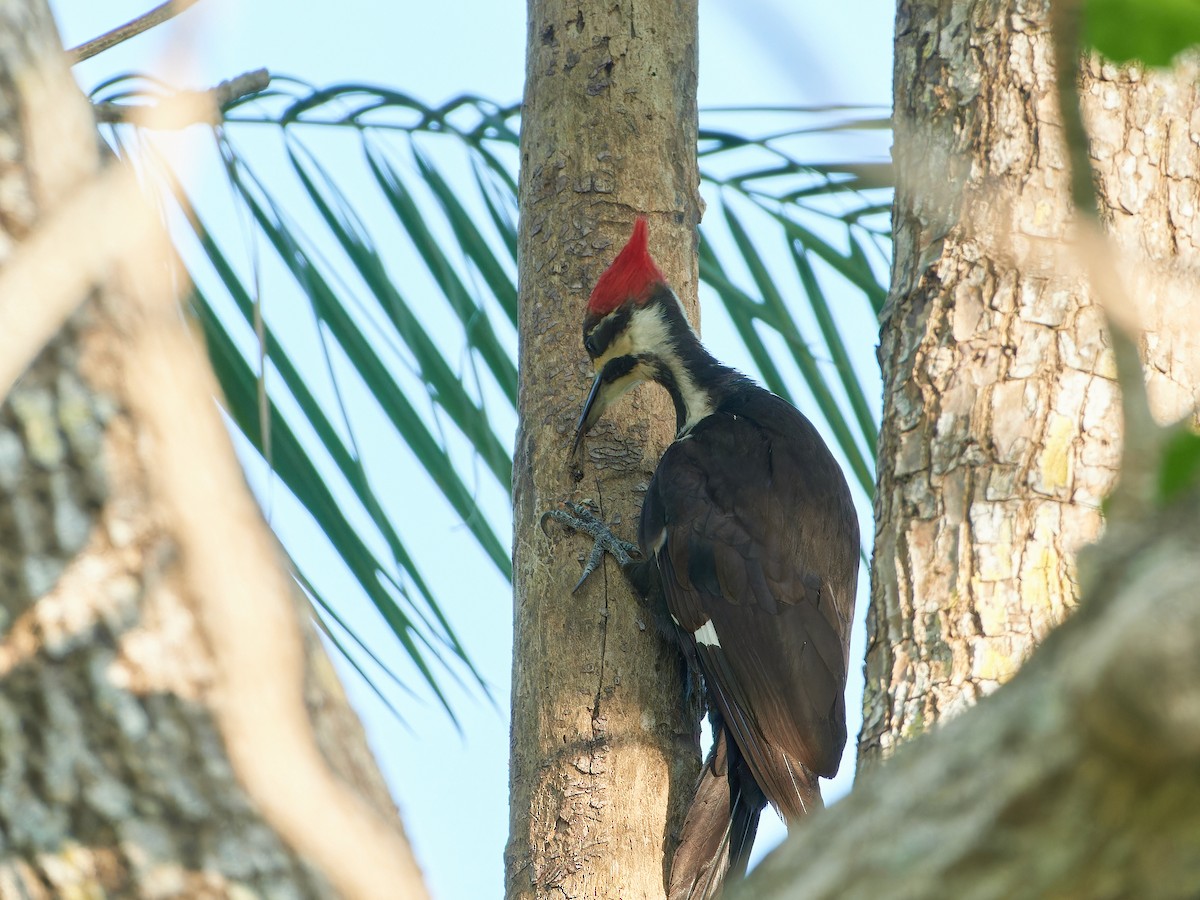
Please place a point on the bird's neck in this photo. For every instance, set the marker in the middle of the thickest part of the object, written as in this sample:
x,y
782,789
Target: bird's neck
x,y
695,380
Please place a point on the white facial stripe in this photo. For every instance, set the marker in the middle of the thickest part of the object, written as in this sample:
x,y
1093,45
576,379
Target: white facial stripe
x,y
706,635
694,399
621,344
648,334
647,331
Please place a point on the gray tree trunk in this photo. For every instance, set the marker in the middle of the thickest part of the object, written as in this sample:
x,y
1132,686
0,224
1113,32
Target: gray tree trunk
x,y
115,776
603,758
1000,425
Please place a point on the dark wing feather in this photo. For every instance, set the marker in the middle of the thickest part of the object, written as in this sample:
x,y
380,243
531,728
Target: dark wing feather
x,y
765,550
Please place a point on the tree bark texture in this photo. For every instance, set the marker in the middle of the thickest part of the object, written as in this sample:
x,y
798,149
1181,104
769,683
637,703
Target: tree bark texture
x,y
603,756
114,775
1001,422
1079,780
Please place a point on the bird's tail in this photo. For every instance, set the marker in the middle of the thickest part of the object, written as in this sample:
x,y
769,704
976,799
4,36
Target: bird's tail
x,y
719,830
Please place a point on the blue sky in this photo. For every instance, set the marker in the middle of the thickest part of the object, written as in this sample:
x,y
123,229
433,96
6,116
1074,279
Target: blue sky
x,y
452,788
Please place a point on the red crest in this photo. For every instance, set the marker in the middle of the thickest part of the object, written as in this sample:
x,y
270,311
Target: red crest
x,y
631,276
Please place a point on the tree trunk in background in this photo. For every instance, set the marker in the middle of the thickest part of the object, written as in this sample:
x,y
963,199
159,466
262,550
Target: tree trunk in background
x,y
603,758
1001,417
114,776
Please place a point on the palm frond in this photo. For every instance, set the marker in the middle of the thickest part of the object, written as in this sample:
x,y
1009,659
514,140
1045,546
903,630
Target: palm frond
x,y
386,229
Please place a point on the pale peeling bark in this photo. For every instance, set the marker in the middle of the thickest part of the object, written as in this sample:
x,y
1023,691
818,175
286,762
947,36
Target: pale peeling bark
x,y
114,774
603,758
1000,424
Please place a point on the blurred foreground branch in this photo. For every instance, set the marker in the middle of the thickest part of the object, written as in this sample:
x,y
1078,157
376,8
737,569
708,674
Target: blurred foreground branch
x,y
245,602
152,643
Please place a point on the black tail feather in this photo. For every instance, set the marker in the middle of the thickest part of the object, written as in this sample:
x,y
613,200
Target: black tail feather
x,y
721,823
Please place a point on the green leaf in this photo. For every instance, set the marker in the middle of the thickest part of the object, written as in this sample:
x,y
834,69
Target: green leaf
x,y
477,249
478,329
743,310
374,371
348,464
1153,31
837,348
1180,468
852,266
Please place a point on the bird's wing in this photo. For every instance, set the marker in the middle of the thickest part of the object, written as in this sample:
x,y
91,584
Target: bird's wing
x,y
759,560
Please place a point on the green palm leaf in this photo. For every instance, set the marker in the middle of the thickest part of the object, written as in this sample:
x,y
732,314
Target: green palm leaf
x,y
364,198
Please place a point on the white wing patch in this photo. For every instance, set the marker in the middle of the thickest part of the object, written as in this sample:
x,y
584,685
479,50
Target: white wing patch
x,y
706,635
658,542
792,775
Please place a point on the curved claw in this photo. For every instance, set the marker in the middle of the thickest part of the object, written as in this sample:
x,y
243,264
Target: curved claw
x,y
593,562
581,517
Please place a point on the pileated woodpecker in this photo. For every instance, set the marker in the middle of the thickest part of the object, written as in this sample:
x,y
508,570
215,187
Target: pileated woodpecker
x,y
748,549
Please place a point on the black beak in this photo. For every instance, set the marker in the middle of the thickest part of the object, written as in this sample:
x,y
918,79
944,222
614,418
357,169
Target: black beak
x,y
586,418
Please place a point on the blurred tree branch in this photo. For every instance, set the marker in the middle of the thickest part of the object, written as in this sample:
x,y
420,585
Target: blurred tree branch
x,y
161,13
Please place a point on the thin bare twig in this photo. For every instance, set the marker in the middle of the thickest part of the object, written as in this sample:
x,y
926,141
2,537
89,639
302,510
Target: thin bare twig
x,y
144,22
184,108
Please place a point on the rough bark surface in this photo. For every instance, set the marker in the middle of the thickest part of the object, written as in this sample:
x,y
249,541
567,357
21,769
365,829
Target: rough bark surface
x,y
114,780
1000,425
603,758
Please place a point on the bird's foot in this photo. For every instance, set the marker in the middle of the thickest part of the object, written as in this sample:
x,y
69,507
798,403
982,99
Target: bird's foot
x,y
582,517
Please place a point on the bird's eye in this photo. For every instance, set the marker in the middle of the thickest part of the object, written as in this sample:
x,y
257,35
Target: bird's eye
x,y
589,344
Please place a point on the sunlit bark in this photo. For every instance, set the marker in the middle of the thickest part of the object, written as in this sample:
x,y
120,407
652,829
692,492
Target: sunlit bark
x,y
1000,426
